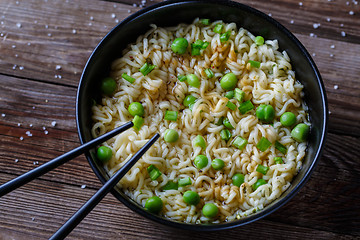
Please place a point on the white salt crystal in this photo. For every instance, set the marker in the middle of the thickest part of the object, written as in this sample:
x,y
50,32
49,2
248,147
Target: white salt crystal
x,y
46,132
316,25
14,67
336,86
83,186
16,160
270,14
331,55
46,26
91,18
113,15
44,128
58,67
328,19
13,46
343,34
19,124
53,123
291,21
49,34
21,138
18,25
28,133
351,12
30,125
74,31
21,67
3,114
332,46
300,3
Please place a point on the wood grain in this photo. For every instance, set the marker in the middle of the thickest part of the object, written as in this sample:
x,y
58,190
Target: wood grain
x,y
44,46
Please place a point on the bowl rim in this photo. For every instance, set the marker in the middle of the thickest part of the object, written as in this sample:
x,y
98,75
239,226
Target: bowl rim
x,y
234,223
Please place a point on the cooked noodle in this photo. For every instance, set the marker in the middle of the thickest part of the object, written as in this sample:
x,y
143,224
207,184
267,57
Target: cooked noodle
x,y
273,83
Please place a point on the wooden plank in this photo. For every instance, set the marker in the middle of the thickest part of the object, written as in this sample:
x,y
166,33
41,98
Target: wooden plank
x,y
40,213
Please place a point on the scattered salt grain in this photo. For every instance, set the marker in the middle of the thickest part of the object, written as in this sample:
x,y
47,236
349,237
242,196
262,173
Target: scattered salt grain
x,y
312,35
28,44
347,3
33,109
116,20
300,3
74,31
36,163
19,124
351,12
90,23
44,128
13,46
270,14
336,86
16,55
129,11
58,67
17,2
35,21
53,123
332,46
16,160
21,138
14,67
341,25
329,112
46,132
28,133
134,5
291,21
49,34
328,19
83,186
46,100
91,18
30,125
32,219
18,25
316,25
314,54
331,55
113,15
46,26
21,67
114,5
343,34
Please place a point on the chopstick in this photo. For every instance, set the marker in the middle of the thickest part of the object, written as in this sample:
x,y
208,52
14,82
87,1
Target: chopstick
x,y
100,194
46,167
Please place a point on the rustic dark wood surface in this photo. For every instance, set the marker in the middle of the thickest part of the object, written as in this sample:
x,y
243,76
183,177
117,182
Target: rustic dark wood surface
x,y
44,45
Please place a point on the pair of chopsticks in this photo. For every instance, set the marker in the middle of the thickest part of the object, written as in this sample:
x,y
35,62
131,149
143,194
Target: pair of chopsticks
x,y
99,195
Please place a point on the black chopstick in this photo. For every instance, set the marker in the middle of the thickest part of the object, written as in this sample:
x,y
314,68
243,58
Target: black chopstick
x,y
100,194
46,167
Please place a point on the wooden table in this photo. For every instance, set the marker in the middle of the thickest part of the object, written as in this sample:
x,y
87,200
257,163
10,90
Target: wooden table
x,y
44,45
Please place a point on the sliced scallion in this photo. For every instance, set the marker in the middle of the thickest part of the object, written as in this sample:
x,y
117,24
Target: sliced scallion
x,y
225,36
154,172
225,134
146,68
262,169
239,94
239,142
254,64
170,185
218,28
182,78
205,21
231,105
230,94
278,160
263,144
128,78
209,73
280,147
246,106
227,124
171,115
184,182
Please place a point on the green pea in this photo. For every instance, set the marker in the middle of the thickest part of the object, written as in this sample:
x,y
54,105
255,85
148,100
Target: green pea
x,y
136,108
265,113
210,210
189,100
191,197
179,45
199,141
171,135
229,81
217,164
258,183
201,161
300,132
288,119
238,179
154,204
108,86
193,80
104,153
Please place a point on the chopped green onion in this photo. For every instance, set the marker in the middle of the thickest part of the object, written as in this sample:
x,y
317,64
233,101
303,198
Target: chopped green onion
x,y
205,21
255,64
128,78
227,124
218,28
240,142
230,94
239,94
263,144
170,186
246,106
225,134
184,182
197,46
171,115
262,169
199,141
225,36
204,45
198,43
138,122
259,40
154,172
231,105
146,68
278,160
209,73
189,100
220,121
182,78
280,147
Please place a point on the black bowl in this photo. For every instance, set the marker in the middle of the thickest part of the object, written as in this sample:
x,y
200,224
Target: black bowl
x,y
171,13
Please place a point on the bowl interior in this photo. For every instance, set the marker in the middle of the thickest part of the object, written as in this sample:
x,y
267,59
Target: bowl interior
x,y
171,13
